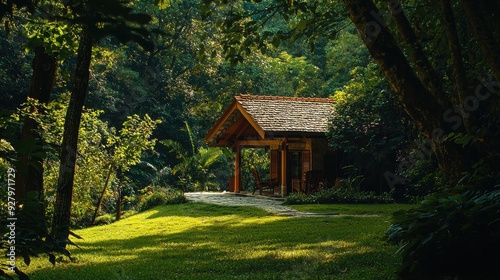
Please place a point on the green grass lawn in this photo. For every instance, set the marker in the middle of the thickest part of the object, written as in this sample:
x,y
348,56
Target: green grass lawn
x,y
200,241
353,209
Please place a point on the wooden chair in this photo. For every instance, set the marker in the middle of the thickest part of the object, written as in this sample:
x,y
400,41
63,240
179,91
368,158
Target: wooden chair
x,y
313,181
263,185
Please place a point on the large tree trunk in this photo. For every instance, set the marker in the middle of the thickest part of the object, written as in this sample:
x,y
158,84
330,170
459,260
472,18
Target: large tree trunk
x,y
484,36
29,167
424,69
417,101
459,72
64,191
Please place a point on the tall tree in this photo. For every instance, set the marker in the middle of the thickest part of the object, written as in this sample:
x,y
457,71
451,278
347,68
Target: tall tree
x,y
64,191
417,99
97,20
44,67
30,168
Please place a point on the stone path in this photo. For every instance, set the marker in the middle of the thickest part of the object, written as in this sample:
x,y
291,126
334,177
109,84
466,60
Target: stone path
x,y
269,204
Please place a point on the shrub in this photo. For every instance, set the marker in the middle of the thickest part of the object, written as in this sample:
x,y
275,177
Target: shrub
x,y
128,213
104,219
298,198
154,196
421,178
343,195
455,236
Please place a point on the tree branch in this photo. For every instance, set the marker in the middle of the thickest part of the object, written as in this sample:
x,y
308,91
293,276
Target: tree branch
x,y
459,72
424,69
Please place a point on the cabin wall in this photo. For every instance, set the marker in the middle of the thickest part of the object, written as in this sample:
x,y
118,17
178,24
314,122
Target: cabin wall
x,y
319,149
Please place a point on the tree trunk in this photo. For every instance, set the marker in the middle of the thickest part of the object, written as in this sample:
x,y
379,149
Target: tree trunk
x,y
99,201
424,69
30,168
484,36
64,191
119,205
417,101
459,72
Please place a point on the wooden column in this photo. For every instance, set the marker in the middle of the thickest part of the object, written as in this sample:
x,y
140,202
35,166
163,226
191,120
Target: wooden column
x,y
237,169
275,165
283,170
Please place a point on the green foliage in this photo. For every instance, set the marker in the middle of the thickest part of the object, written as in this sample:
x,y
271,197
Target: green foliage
x,y
101,149
57,37
368,128
105,219
31,236
421,178
450,236
198,166
341,195
254,158
339,66
261,25
15,72
153,196
129,213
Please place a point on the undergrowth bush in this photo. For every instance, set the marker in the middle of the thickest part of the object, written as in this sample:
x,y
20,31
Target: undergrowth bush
x,y
450,236
154,196
128,213
342,195
105,219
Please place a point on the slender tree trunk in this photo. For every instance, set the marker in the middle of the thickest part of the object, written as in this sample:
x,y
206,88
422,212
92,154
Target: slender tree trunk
x,y
119,205
30,168
484,36
99,201
459,72
417,101
64,191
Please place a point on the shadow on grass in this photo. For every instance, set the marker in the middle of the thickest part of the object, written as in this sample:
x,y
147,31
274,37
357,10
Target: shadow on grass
x,y
227,246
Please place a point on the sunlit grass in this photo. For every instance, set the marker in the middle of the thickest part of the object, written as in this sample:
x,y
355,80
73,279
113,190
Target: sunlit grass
x,y
200,241
354,209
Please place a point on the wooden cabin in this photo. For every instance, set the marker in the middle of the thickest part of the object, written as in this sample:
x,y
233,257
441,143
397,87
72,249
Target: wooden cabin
x,y
292,128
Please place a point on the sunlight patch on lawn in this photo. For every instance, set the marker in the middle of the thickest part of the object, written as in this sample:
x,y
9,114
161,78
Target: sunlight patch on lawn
x,y
199,241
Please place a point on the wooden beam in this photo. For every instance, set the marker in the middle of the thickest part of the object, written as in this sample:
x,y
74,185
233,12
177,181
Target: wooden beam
x,y
283,170
242,129
237,169
235,127
258,143
220,122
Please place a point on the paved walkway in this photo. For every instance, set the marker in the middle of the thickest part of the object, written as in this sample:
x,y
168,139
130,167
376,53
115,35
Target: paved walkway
x,y
269,204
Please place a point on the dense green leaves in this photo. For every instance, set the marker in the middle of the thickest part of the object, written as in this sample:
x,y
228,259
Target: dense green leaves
x,y
340,196
450,236
368,128
199,168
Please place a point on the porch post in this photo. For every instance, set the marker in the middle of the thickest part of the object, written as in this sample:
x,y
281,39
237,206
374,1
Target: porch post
x,y
283,170
237,169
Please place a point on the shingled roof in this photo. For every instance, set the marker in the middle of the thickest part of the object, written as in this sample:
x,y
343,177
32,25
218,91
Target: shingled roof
x,y
288,114
276,115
